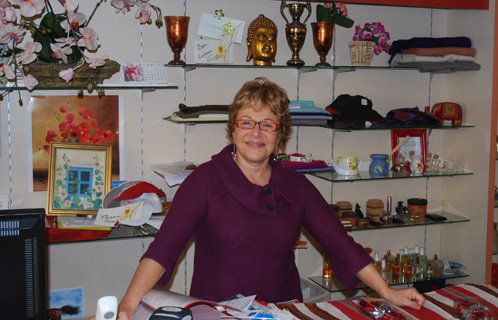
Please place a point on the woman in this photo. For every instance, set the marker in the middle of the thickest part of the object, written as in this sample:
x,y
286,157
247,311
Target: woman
x,y
246,213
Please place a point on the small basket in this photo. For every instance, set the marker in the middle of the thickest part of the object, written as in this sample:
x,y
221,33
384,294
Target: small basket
x,y
361,53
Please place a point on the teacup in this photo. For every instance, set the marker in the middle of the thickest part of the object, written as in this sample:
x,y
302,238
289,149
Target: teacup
x,y
348,166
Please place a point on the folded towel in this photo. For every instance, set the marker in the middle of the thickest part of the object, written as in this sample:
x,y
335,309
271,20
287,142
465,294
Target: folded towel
x,y
442,67
400,59
441,51
428,42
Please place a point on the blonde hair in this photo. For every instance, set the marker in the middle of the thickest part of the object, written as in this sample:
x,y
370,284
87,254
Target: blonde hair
x,y
260,93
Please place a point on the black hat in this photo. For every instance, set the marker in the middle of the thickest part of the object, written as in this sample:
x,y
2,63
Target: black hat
x,y
352,111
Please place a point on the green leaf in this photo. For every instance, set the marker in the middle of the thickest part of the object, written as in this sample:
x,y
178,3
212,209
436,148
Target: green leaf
x,y
322,14
344,22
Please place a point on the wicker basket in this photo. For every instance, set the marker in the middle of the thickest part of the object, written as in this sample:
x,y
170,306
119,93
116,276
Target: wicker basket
x,y
47,74
361,53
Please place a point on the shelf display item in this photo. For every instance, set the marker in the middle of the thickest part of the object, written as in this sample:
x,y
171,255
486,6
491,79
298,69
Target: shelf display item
x,y
295,31
437,267
322,40
262,41
416,164
375,209
361,53
177,34
448,111
417,208
379,167
348,166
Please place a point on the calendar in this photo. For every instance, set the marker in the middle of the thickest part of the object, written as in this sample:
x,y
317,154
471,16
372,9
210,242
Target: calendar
x,y
143,73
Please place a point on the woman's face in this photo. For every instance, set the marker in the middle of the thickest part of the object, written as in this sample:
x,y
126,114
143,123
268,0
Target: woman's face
x,y
254,146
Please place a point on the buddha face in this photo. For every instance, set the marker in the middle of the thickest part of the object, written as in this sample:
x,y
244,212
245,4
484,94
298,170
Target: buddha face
x,y
263,47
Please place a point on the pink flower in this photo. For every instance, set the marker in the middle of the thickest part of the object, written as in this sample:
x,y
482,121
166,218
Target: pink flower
x,y
74,20
94,63
29,54
144,12
69,5
89,39
66,41
7,12
59,52
11,34
122,5
30,82
6,70
29,8
67,74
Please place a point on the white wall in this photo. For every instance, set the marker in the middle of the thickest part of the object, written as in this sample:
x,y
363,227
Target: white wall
x,y
91,264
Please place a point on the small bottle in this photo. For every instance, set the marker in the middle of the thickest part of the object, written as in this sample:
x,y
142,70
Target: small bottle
x,y
417,269
384,272
327,268
408,273
377,263
429,275
389,205
422,258
390,259
404,256
415,253
396,271
437,267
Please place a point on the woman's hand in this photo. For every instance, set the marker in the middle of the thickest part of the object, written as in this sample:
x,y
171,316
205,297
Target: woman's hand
x,y
409,297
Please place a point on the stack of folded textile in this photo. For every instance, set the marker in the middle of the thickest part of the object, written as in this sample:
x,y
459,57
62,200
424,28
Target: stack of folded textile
x,y
434,54
305,113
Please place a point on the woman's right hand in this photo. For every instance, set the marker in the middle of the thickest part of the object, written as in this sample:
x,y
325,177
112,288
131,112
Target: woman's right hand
x,y
125,312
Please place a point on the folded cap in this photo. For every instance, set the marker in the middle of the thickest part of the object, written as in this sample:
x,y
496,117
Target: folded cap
x,y
135,191
353,111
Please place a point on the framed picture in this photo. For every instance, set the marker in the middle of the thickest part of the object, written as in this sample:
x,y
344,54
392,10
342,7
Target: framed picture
x,y
79,176
417,143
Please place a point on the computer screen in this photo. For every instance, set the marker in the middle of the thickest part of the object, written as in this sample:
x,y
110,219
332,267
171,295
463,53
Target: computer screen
x,y
23,288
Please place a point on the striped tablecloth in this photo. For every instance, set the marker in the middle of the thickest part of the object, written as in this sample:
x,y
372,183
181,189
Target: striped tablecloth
x,y
439,305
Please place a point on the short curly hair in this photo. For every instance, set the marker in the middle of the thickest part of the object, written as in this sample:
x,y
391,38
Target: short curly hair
x,y
259,93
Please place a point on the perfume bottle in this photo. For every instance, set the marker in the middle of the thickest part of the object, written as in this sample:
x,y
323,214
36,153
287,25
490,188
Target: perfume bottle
x,y
396,271
437,267
327,268
405,256
377,263
422,258
384,272
390,259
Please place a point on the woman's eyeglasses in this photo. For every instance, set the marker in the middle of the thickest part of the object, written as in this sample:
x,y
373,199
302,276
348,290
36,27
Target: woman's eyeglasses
x,y
265,125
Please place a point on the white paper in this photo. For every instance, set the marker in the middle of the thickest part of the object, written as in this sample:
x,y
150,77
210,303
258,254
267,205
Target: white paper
x,y
143,73
214,28
124,214
213,52
174,173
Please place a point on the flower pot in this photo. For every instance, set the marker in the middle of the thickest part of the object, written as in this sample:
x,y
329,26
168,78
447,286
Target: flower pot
x,y
361,53
47,73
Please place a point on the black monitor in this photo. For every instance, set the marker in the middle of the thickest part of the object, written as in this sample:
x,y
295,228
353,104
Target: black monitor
x,y
23,288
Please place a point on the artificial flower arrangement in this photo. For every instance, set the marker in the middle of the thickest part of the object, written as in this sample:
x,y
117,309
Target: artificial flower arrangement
x,y
376,33
56,37
84,131
335,12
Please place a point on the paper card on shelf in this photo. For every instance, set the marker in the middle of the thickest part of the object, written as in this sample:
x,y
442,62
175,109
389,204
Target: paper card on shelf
x,y
124,215
174,173
143,74
76,222
225,29
213,52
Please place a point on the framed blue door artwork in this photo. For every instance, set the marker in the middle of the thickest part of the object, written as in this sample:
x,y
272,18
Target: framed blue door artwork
x,y
79,176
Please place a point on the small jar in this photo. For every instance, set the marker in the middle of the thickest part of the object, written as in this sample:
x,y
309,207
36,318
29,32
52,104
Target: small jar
x,y
417,208
351,216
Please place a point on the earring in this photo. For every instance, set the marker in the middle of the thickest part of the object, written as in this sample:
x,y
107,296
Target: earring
x,y
234,151
276,147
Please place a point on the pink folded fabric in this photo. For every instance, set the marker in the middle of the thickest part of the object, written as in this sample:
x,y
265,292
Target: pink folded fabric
x,y
441,51
287,164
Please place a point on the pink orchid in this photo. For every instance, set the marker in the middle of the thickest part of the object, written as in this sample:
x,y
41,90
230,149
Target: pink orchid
x,y
6,70
60,52
144,12
11,34
94,63
67,74
29,54
74,20
7,13
30,82
89,39
65,41
122,5
29,8
69,5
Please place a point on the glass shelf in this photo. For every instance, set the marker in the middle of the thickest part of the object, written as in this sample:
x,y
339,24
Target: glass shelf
x,y
365,176
334,285
450,218
101,86
192,66
123,232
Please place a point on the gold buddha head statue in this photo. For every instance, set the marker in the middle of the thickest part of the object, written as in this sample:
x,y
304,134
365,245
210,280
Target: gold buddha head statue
x,y
262,41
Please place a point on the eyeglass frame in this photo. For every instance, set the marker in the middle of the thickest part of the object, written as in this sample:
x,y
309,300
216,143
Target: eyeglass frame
x,y
257,123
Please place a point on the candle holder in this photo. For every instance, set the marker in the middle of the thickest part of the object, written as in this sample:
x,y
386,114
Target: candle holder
x,y
177,34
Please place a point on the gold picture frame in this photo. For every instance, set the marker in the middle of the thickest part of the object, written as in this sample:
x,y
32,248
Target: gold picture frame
x,y
79,177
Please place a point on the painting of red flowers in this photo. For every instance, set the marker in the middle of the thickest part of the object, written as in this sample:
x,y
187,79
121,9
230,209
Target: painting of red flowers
x,y
89,119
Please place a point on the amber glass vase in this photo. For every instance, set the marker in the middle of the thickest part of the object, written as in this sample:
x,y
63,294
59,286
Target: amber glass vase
x,y
177,34
323,33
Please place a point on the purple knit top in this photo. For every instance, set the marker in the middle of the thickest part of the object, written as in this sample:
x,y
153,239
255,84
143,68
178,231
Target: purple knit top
x,y
245,233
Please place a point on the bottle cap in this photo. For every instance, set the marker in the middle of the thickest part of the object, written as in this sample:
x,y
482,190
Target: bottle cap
x,y
406,250
422,251
383,264
376,256
416,249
